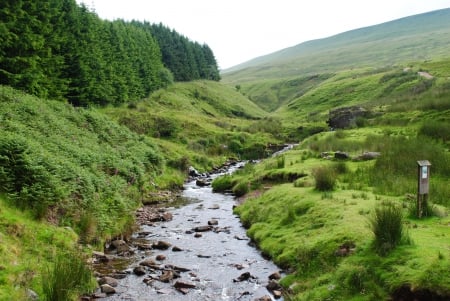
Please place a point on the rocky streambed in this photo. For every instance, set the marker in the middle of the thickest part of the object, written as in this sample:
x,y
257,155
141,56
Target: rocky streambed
x,y
191,249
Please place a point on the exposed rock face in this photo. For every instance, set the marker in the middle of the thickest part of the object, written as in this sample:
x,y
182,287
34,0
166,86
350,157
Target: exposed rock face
x,y
341,155
367,156
345,117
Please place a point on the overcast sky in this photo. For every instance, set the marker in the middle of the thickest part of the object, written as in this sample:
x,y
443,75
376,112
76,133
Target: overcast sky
x,y
240,30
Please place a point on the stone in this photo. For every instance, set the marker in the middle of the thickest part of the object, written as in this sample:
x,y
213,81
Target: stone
x,y
244,277
166,276
167,216
341,155
346,117
143,246
193,172
213,222
107,289
176,249
184,284
148,263
203,256
202,228
161,245
201,183
277,294
99,295
161,257
183,290
100,257
366,156
108,280
273,285
275,276
119,245
177,268
139,271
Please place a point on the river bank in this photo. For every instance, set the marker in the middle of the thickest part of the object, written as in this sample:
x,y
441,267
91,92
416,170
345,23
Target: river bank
x,y
190,248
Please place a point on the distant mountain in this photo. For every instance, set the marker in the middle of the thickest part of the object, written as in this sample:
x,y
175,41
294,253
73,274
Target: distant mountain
x,y
415,38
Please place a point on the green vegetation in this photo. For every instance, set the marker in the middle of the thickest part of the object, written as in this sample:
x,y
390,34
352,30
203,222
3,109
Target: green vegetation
x,y
387,226
87,170
60,50
68,278
351,242
27,248
422,37
72,176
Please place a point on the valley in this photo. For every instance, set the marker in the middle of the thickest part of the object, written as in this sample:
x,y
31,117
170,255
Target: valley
x,y
337,212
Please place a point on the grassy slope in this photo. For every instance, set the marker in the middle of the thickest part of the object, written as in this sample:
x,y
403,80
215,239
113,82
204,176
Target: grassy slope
x,y
89,172
27,247
204,117
301,228
414,38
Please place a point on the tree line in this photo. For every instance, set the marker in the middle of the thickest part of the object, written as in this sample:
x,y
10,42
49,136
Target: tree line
x,y
59,49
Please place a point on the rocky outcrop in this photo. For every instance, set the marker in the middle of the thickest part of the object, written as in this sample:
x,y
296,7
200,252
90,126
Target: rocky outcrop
x,y
346,117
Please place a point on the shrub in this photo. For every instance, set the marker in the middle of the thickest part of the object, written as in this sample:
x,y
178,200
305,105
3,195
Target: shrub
x,y
386,224
325,178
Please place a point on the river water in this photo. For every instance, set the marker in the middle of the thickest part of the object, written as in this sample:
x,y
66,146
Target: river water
x,y
217,260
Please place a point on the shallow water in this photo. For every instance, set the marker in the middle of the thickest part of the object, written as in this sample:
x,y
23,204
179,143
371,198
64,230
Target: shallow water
x,y
213,259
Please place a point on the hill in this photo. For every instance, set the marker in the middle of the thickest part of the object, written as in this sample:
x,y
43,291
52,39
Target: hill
x,y
415,38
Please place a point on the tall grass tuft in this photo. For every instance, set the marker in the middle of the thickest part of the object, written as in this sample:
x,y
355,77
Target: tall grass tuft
x,y
325,178
67,279
387,225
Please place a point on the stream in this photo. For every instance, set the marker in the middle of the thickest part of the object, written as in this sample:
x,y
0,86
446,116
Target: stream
x,y
203,251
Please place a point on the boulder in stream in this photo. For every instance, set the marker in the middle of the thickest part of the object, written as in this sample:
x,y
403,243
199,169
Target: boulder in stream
x,y
107,289
108,280
139,271
202,228
161,245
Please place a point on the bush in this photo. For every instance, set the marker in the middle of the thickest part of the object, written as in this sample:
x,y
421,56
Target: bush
x,y
386,224
325,178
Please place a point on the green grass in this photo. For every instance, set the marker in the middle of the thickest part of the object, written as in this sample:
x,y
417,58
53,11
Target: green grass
x,y
27,247
302,229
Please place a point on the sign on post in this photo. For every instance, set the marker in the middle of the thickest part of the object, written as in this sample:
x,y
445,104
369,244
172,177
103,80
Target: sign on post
x,y
423,185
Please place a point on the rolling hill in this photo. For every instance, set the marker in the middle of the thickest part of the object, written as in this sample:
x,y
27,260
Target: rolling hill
x,y
415,38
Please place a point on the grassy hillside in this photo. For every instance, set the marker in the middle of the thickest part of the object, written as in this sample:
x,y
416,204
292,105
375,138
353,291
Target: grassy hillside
x,y
330,222
314,215
201,123
416,38
74,176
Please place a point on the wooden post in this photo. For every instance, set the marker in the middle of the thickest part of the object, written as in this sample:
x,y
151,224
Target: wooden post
x,y
423,173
